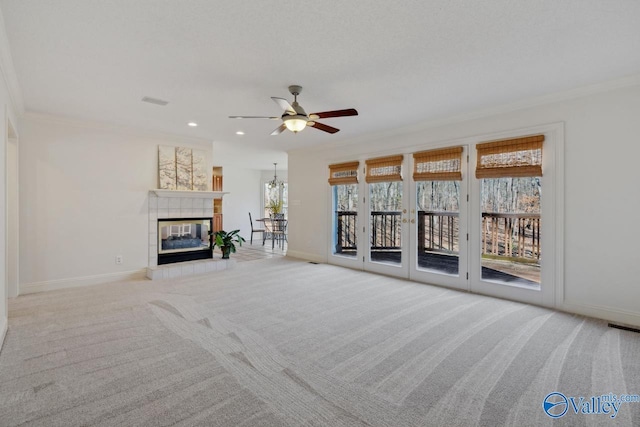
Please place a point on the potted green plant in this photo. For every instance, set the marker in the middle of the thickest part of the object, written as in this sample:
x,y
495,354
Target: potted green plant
x,y
275,206
226,241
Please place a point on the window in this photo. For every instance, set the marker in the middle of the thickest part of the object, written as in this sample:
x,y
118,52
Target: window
x,y
438,175
511,186
343,178
276,198
384,176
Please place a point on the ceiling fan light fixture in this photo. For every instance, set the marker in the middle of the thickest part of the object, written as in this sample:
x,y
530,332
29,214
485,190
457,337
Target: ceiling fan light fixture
x,y
295,123
296,119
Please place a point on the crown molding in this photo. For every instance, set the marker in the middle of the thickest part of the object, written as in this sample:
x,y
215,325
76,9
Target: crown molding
x,y
576,93
112,127
8,71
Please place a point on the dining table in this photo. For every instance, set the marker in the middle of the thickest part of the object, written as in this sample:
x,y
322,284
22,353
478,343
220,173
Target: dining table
x,y
271,224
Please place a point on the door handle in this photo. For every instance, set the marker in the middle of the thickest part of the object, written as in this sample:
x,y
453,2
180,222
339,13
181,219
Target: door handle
x,y
413,221
404,220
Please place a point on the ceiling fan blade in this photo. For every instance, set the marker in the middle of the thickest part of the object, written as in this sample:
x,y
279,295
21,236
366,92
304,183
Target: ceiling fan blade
x,y
323,127
284,104
279,130
334,113
254,117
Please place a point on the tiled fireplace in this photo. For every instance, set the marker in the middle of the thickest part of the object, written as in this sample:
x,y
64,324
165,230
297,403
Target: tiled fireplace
x,y
189,215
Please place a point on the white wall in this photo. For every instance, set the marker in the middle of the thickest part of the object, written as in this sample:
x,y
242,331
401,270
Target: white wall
x,y
602,153
84,199
243,186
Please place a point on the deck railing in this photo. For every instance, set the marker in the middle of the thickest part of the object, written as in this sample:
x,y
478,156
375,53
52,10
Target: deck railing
x,y
386,229
438,231
346,231
509,235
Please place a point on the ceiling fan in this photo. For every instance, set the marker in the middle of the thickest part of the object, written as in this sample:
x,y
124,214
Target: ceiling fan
x,y
296,119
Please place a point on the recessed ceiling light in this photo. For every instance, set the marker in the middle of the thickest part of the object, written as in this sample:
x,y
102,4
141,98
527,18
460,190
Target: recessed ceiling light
x,y
239,133
192,124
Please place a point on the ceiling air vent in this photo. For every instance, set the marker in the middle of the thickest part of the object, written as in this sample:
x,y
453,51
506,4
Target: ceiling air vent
x,y
154,101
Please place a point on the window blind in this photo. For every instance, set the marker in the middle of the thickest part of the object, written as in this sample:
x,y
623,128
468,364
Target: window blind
x,y
510,158
384,169
343,173
438,165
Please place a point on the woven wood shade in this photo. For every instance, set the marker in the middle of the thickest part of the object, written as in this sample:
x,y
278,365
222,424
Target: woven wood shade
x,y
384,169
510,158
438,165
343,173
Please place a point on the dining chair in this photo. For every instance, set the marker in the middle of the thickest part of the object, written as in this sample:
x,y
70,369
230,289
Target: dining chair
x,y
255,230
278,230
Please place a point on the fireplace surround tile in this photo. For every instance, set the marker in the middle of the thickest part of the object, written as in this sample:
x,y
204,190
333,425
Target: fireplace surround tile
x,y
174,203
189,268
186,204
186,269
175,272
199,268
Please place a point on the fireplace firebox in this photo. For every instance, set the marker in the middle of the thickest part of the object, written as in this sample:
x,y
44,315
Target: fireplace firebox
x,y
184,239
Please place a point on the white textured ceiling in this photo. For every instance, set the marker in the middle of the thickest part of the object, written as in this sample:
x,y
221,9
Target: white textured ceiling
x,y
399,62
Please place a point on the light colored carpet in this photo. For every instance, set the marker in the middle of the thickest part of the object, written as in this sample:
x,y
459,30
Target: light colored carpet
x,y
281,342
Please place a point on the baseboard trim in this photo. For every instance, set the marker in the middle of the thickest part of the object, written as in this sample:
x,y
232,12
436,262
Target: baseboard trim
x,y
4,326
306,256
625,317
75,282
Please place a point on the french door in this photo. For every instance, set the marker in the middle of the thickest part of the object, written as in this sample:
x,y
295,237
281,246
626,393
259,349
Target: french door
x,y
397,226
428,217
386,231
440,200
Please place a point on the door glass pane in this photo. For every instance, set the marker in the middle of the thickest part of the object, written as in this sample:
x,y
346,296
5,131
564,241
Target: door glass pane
x,y
385,204
438,204
511,230
345,220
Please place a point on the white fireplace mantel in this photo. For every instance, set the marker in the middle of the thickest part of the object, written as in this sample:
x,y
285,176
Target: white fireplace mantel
x,y
190,194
